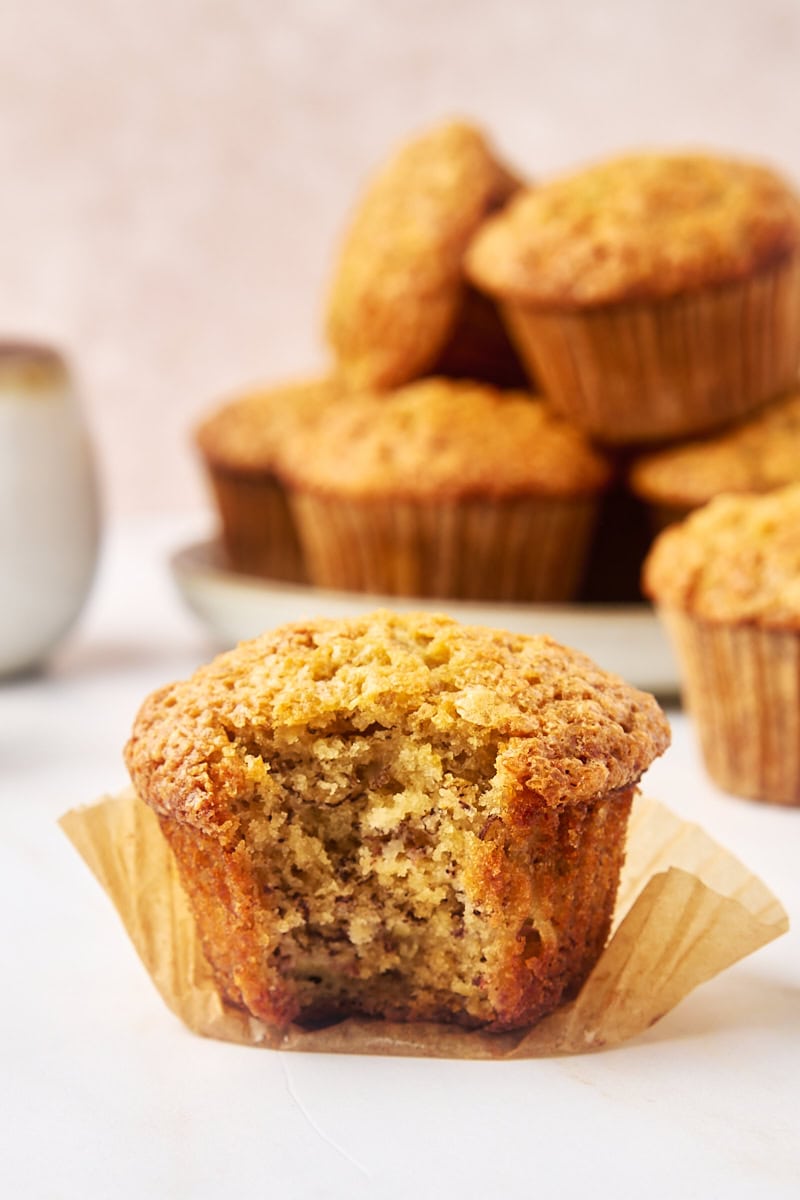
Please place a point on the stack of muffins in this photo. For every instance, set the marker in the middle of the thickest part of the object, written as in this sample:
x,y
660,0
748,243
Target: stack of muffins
x,y
509,358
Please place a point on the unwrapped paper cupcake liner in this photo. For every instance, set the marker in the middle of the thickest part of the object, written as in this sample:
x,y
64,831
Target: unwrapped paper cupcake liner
x,y
742,689
652,370
520,549
686,910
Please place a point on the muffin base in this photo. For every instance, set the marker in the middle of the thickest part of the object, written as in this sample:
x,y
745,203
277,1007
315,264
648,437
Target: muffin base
x,y
510,969
653,370
257,526
528,549
742,689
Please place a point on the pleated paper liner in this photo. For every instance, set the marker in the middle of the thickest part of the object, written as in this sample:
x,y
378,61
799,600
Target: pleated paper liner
x,y
516,549
660,369
742,689
257,527
686,910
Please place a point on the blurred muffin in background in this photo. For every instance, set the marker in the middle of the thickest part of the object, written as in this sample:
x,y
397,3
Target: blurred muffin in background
x,y
400,306
727,583
445,488
756,455
240,444
655,295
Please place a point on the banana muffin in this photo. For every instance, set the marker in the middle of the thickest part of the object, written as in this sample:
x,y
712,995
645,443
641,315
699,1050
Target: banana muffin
x,y
398,817
756,455
655,295
400,306
240,443
727,583
446,488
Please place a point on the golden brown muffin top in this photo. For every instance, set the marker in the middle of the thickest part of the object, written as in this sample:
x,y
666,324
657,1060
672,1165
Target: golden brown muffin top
x,y
441,438
399,280
736,560
564,729
644,226
758,455
245,434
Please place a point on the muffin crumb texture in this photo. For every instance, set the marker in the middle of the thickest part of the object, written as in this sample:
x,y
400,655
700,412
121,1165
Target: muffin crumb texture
x,y
398,816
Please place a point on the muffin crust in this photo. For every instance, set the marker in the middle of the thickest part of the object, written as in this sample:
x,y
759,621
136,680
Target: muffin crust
x,y
642,226
440,438
735,560
245,435
399,283
757,455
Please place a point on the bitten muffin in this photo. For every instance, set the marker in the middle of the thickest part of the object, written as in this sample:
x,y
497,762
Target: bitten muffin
x,y
756,455
655,295
446,488
400,306
727,583
240,444
397,816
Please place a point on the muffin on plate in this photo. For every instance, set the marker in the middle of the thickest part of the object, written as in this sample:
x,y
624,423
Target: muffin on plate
x,y
445,488
655,295
240,443
727,583
398,817
756,455
400,306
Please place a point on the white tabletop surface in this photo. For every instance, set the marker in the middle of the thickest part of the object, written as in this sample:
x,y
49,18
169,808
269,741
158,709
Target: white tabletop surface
x,y
104,1094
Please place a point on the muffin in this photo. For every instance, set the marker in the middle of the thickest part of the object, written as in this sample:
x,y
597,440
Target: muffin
x,y
727,583
400,306
756,455
445,488
239,444
397,816
655,295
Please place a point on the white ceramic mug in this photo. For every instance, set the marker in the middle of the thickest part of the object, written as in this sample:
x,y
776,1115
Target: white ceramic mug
x,y
49,513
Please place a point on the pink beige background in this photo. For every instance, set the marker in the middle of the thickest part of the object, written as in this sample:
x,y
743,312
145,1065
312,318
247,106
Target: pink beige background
x,y
175,174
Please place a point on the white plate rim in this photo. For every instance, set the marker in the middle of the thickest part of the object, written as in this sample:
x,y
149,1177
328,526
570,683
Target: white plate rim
x,y
625,638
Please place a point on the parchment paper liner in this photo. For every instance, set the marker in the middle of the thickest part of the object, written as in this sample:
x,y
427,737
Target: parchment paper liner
x,y
686,910
741,685
655,369
509,549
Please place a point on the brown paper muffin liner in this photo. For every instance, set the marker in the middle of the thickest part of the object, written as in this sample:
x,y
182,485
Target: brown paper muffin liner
x,y
686,910
257,526
528,549
653,370
742,689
